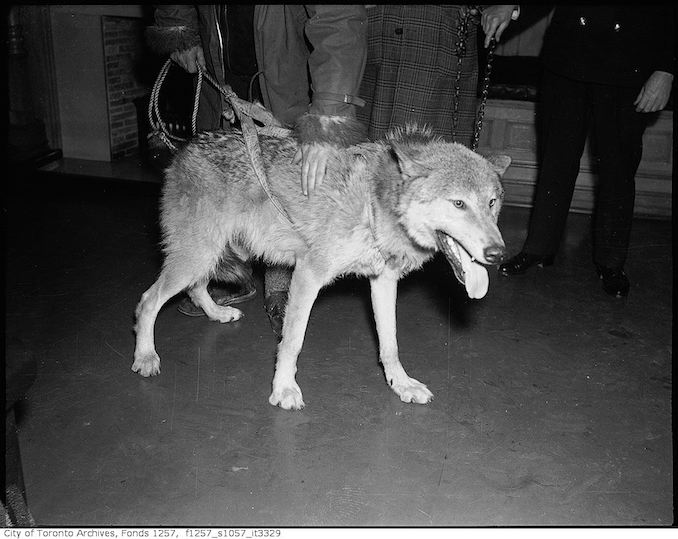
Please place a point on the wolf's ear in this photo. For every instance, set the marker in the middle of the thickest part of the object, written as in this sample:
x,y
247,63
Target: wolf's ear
x,y
499,163
410,168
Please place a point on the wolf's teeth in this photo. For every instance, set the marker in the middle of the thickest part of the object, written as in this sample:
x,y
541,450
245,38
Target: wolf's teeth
x,y
455,247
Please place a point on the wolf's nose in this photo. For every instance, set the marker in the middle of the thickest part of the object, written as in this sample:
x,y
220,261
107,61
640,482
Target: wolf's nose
x,y
494,254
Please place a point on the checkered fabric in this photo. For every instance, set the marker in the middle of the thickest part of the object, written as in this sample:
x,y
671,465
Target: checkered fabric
x,y
411,70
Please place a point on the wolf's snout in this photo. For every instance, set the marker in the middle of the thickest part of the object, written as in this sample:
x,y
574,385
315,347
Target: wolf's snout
x,y
494,254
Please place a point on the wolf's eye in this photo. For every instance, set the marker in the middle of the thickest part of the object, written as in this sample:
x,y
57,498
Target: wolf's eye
x,y
458,203
492,202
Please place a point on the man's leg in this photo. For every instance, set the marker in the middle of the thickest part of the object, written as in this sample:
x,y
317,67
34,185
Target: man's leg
x,y
618,137
562,129
562,126
618,131
276,288
282,56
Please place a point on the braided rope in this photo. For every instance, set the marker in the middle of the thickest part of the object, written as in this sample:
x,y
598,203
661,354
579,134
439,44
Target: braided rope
x,y
158,126
196,104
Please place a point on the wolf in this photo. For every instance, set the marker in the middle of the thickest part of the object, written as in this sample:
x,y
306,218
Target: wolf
x,y
383,210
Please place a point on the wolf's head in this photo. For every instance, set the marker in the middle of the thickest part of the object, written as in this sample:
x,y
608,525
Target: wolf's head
x,y
449,199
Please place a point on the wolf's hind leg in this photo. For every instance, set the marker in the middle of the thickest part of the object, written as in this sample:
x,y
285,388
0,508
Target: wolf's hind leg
x,y
383,291
183,268
231,267
201,297
146,359
304,289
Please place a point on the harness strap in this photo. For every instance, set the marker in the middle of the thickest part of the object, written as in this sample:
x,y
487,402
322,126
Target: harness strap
x,y
371,215
246,111
249,133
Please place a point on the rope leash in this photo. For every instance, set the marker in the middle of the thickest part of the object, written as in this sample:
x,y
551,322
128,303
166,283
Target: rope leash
x,y
246,111
158,127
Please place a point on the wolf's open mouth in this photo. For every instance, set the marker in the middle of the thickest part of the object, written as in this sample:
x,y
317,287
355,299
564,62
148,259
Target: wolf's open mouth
x,y
450,249
467,271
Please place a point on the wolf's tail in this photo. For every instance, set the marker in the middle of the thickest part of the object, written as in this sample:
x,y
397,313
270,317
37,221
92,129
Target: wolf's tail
x,y
233,267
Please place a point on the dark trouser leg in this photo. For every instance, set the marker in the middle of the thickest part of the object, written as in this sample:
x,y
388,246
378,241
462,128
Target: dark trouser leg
x,y
277,279
276,289
562,122
282,56
618,136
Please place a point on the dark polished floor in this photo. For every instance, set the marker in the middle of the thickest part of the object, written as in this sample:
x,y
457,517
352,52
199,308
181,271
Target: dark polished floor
x,y
552,400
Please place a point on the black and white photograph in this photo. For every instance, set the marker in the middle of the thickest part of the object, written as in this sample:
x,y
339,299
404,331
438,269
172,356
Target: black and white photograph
x,y
279,269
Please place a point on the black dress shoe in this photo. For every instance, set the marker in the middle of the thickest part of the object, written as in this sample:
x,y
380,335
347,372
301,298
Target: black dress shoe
x,y
615,281
522,261
274,305
222,296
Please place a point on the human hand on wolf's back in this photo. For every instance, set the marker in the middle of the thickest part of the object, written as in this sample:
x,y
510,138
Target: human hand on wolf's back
x,y
190,59
313,159
654,95
495,19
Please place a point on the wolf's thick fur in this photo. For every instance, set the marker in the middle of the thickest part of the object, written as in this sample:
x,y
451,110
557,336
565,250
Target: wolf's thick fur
x,y
383,209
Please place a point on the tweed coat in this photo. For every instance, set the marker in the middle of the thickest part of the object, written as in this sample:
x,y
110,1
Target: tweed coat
x,y
411,69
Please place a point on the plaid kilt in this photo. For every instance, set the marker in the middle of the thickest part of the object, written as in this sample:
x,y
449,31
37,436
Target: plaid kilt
x,y
411,69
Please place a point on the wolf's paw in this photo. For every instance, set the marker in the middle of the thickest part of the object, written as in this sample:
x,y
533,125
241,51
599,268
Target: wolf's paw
x,y
288,398
411,390
147,364
225,314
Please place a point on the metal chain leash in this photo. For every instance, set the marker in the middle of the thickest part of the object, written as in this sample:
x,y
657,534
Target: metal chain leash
x,y
483,98
462,34
465,17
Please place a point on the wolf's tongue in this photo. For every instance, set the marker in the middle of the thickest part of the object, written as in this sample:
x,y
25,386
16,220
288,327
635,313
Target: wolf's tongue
x,y
477,281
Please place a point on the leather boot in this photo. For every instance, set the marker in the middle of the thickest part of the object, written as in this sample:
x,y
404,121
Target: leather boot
x,y
521,262
615,281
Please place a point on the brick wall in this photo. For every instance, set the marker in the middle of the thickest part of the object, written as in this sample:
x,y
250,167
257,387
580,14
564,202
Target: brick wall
x,y
123,45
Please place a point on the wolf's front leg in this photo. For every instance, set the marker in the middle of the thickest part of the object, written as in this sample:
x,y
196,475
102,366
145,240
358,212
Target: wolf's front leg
x,y
304,289
384,290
